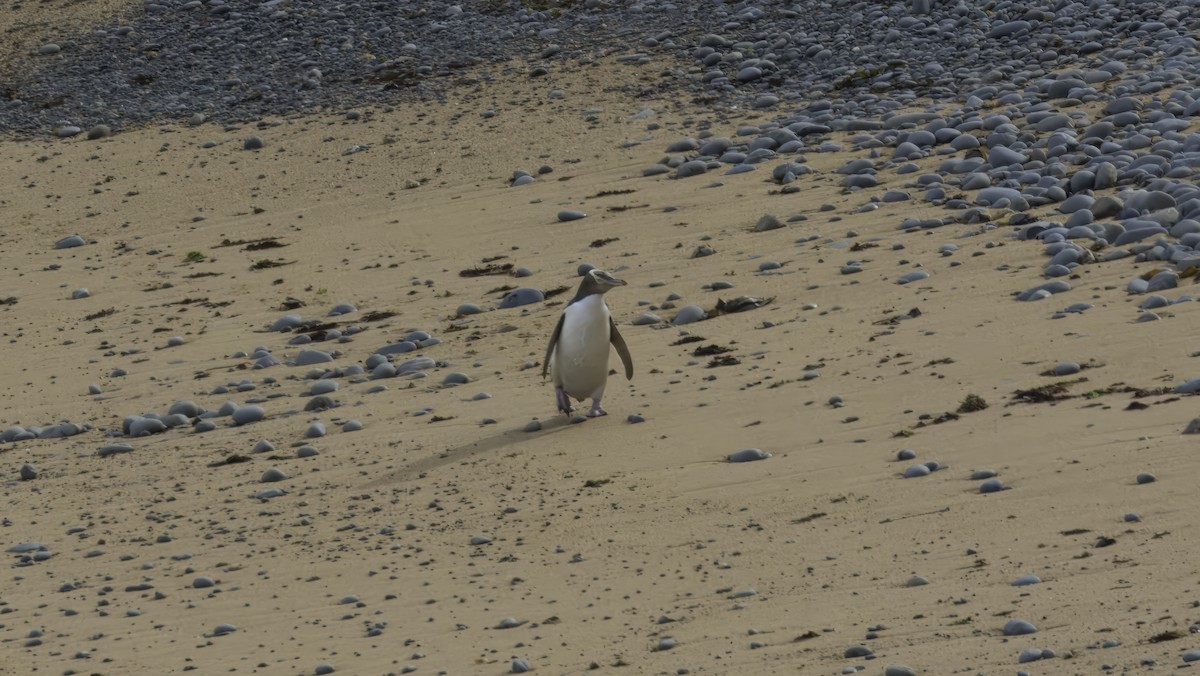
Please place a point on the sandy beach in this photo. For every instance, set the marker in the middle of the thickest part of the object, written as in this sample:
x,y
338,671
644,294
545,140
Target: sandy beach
x,y
442,536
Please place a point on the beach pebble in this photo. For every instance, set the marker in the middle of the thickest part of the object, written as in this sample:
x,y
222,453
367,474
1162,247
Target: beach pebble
x,y
914,276
245,415
857,651
533,426
310,357
522,296
70,242
1029,655
520,666
1026,580
114,449
646,319
748,455
307,452
1019,628
570,215
455,378
202,582
906,454
689,314
1146,478
323,668
1066,368
78,294
914,471
223,629
272,475
263,446
314,430
252,143
351,426
898,670
28,473
991,486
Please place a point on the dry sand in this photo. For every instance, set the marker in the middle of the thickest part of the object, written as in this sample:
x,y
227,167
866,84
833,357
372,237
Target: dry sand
x,y
600,529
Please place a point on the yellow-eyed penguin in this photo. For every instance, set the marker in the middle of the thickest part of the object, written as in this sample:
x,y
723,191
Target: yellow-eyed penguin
x,y
577,356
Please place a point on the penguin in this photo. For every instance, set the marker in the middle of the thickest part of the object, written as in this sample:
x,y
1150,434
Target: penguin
x,y
577,356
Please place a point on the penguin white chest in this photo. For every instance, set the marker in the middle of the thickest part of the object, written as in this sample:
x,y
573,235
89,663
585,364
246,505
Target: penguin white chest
x,y
581,355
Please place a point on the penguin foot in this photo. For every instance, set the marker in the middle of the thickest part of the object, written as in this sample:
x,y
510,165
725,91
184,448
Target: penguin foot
x,y
596,411
564,402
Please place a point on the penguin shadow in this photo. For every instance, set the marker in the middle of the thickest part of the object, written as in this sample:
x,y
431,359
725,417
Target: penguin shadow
x,y
465,452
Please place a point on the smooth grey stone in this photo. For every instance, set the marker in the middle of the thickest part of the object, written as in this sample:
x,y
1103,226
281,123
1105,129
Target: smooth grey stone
x,y
1029,655
570,215
916,581
914,276
857,651
475,541
455,378
1153,302
203,582
1057,286
906,454
522,296
991,486
351,426
914,471
687,145
899,670
384,370
1193,427
287,322
323,669
655,170
306,452
1019,628
634,418
28,473
523,179
1066,368
248,414
185,407
49,49
533,426
520,666
1026,580
68,131
252,143
70,242
172,420
113,449
310,357
94,389
415,364
468,309
263,446
691,168
315,430
1145,478
268,493
748,455
689,314
481,396
1147,317
143,427
204,426
1167,279
272,475
341,309
324,387
1191,656
79,294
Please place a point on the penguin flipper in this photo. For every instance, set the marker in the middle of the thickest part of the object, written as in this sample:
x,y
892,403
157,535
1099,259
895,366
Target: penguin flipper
x,y
553,343
614,336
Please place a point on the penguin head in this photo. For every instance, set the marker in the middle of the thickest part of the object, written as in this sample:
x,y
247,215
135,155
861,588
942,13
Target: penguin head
x,y
603,281
596,282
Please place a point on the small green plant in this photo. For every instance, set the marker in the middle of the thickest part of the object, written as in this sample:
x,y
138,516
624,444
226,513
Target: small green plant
x,y
972,403
322,291
194,256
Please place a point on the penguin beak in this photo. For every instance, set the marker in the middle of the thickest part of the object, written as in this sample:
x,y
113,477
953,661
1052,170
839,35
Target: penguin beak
x,y
620,282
